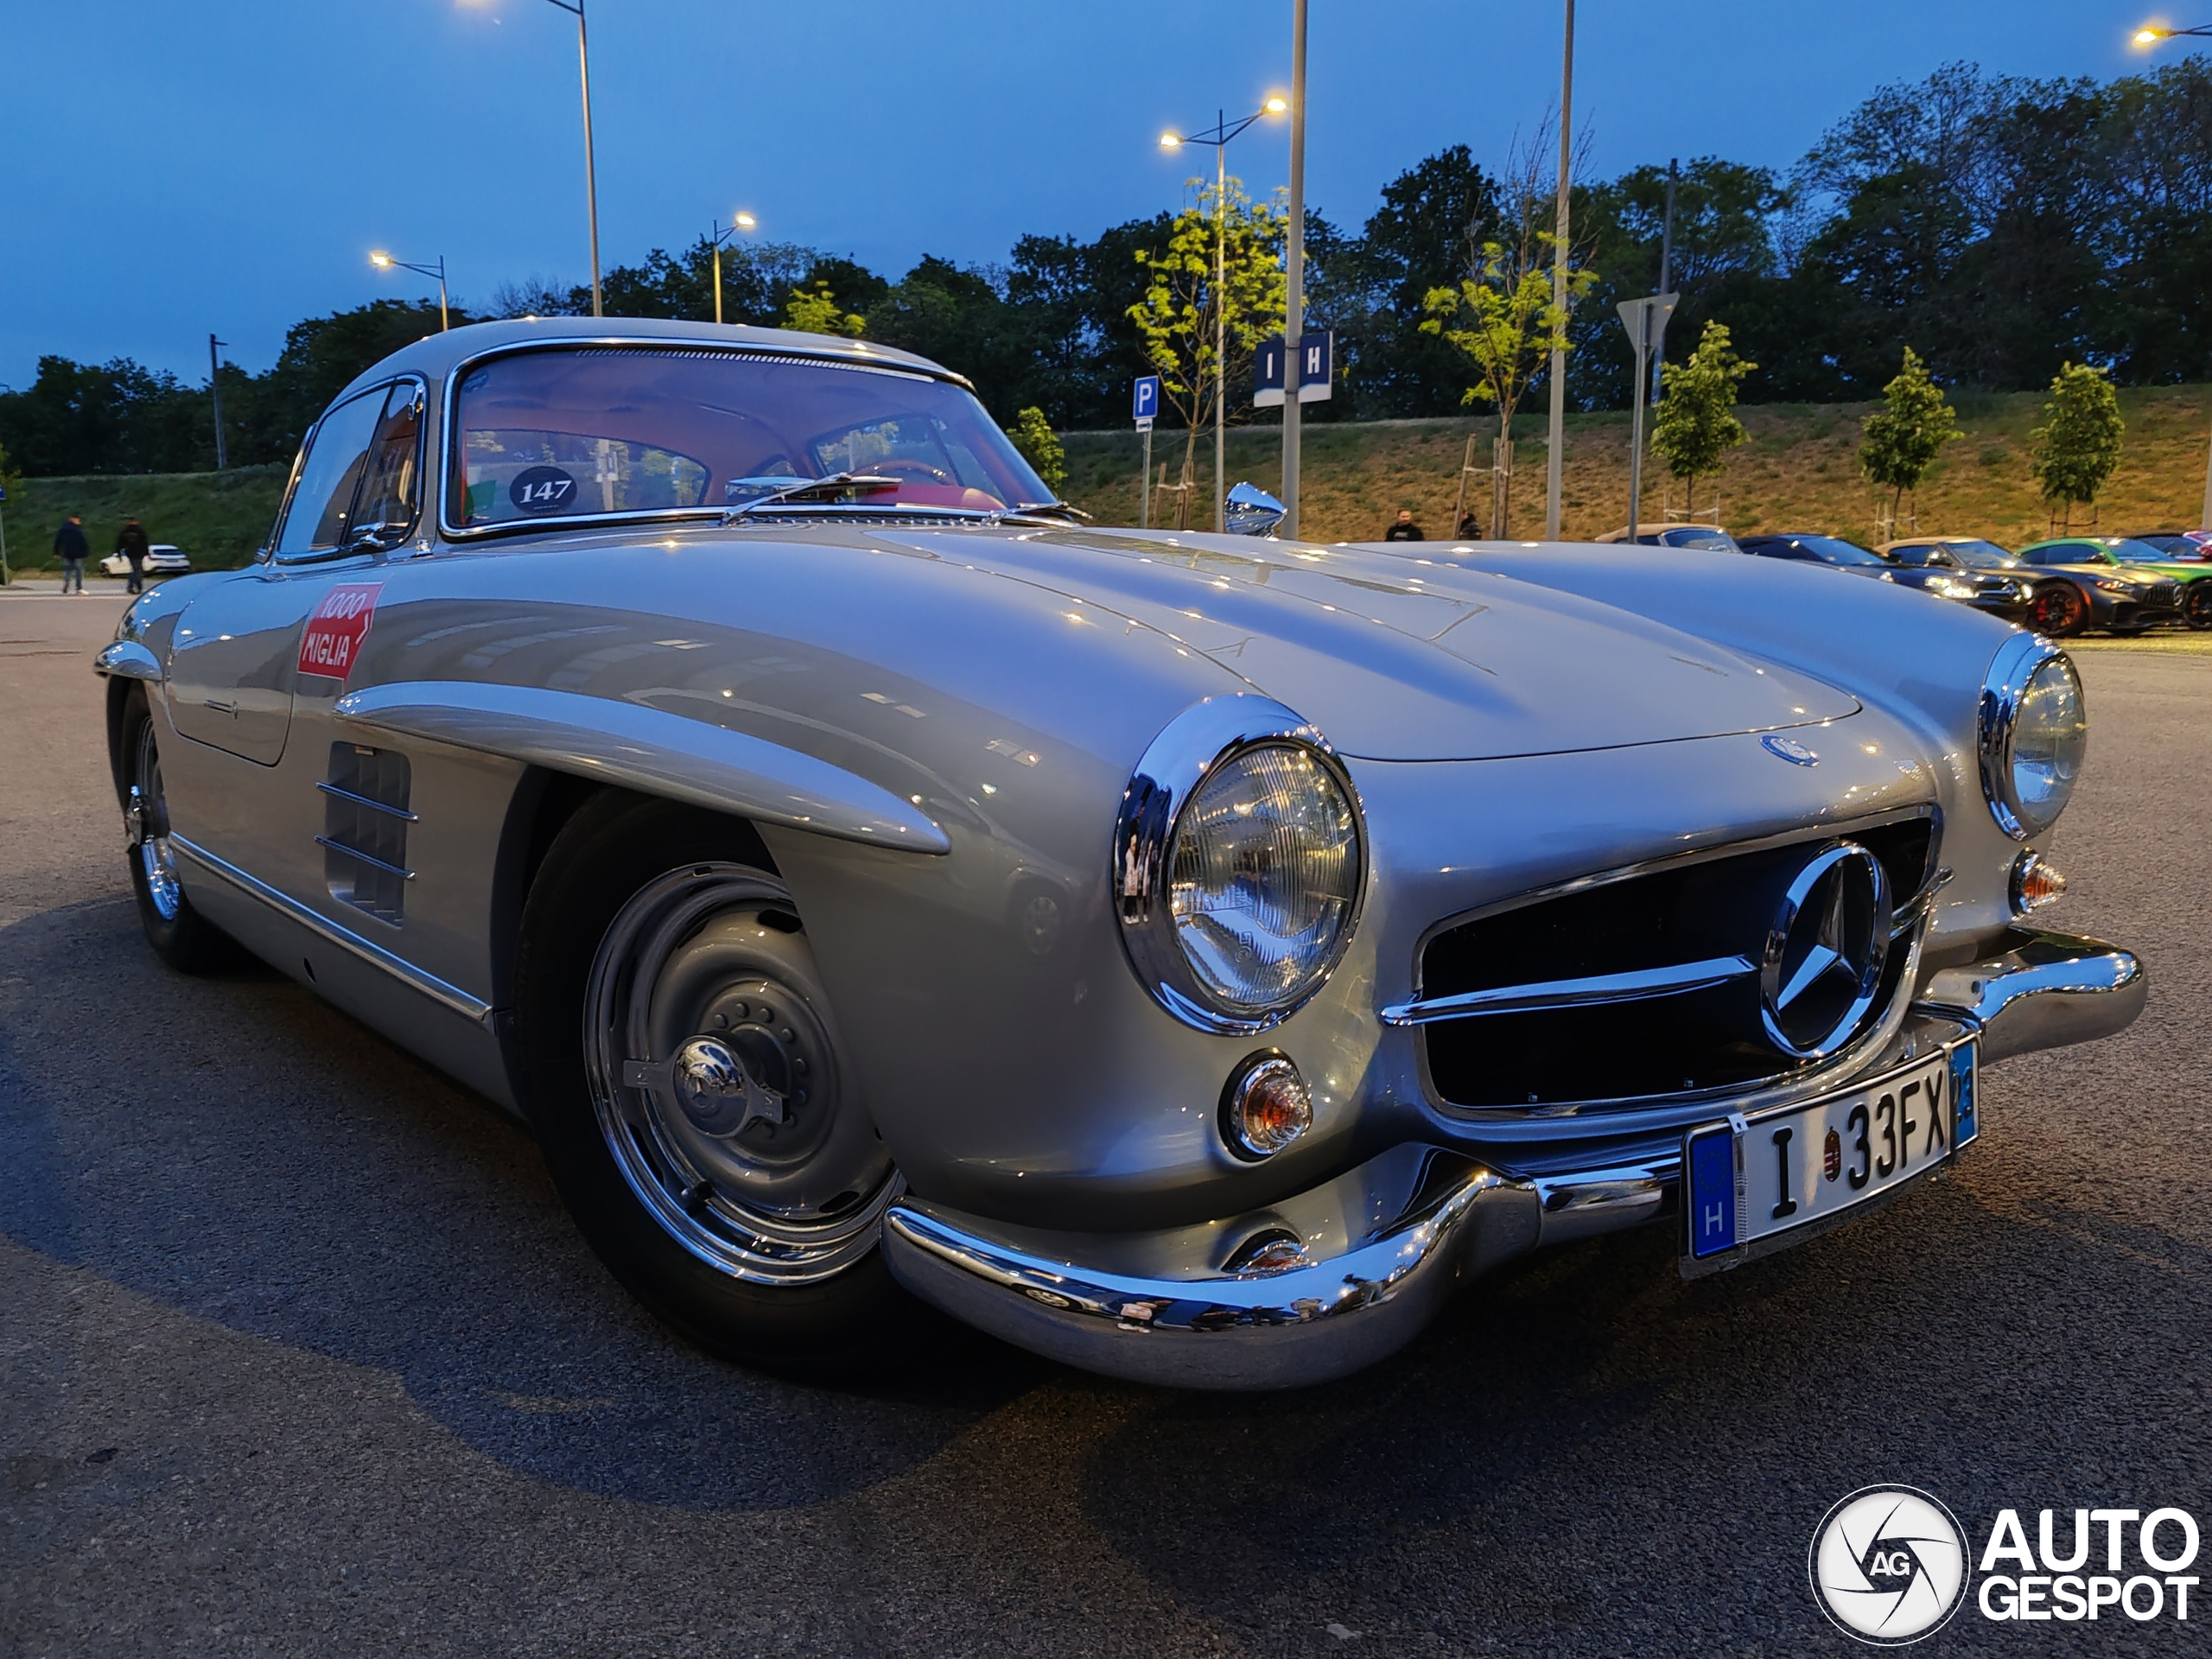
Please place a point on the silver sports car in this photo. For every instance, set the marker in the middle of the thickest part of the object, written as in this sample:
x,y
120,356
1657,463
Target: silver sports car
x,y
1187,955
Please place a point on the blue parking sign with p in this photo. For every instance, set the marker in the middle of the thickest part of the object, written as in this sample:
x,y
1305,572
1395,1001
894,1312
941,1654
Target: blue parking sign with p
x,y
1144,400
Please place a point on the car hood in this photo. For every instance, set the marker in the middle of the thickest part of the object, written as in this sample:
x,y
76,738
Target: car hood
x,y
2135,574
1401,657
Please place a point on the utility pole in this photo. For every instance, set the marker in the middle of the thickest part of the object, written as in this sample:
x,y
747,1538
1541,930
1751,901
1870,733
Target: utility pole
x,y
1666,279
1555,459
215,393
1295,270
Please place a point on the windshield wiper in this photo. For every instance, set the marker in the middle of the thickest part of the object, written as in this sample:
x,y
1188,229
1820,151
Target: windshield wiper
x,y
813,489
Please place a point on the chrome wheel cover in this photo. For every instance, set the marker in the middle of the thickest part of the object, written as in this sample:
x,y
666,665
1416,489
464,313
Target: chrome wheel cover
x,y
715,1075
147,819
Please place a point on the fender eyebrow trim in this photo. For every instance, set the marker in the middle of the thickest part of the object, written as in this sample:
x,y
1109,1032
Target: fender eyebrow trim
x,y
649,750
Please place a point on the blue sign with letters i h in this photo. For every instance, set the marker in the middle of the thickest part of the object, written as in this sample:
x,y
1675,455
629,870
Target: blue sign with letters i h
x,y
1709,1180
1144,400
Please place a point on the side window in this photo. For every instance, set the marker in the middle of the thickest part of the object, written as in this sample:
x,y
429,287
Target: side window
x,y
391,490
322,507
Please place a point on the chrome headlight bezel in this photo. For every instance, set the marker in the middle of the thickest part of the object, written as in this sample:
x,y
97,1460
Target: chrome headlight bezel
x,y
1175,766
2017,662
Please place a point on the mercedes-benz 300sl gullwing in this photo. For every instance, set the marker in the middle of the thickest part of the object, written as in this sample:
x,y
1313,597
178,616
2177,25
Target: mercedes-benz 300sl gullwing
x,y
1187,955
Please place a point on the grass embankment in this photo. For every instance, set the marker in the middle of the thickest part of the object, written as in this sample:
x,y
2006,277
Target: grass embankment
x,y
1799,472
218,518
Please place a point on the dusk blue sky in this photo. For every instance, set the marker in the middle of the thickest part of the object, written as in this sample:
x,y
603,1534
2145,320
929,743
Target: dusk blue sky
x,y
181,165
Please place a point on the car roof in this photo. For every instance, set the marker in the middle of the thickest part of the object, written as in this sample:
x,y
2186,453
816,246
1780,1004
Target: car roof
x,y
434,356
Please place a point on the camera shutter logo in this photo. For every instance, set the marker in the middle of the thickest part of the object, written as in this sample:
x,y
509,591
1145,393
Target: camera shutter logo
x,y
1889,1565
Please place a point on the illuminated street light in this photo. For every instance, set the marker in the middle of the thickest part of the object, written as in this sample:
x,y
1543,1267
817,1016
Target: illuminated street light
x,y
1219,135
718,236
2151,33
383,261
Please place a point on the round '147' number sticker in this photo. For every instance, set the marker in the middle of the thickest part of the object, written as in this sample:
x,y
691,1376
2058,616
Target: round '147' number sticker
x,y
541,489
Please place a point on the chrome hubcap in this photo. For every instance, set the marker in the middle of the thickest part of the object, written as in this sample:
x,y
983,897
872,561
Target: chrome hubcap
x,y
146,820
715,1077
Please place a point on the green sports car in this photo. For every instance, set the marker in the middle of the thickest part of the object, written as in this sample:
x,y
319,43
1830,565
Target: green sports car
x,y
2189,577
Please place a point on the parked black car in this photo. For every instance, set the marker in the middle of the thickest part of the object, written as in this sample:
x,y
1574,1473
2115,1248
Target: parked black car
x,y
2000,595
2063,599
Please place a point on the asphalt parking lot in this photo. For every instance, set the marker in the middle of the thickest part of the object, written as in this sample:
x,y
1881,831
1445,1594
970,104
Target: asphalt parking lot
x,y
299,1353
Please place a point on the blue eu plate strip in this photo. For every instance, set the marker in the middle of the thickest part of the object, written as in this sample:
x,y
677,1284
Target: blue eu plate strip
x,y
1965,1125
1711,1167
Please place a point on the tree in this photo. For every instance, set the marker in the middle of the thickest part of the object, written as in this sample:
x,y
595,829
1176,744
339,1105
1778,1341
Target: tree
x,y
1183,307
814,310
2078,444
1033,435
1904,437
1697,425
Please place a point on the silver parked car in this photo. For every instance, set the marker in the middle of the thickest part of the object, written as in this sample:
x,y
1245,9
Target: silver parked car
x,y
1187,956
162,559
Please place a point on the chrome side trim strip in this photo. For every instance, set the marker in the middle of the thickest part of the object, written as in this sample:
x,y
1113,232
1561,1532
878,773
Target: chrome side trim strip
x,y
449,996
384,807
372,861
126,659
1636,986
650,750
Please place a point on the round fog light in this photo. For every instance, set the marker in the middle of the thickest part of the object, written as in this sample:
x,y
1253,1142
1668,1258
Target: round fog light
x,y
1265,1105
2035,883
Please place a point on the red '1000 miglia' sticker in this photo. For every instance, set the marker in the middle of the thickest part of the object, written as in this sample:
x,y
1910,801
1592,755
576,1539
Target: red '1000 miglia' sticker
x,y
333,640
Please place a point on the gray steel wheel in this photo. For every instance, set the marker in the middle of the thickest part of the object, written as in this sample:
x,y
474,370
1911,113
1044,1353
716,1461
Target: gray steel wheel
x,y
146,820
713,1071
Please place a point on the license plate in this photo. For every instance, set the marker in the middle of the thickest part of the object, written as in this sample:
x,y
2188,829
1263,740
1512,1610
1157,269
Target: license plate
x,y
1756,1182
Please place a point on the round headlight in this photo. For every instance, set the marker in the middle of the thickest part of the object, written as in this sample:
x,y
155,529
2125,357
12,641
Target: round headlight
x,y
1238,864
1265,871
2035,731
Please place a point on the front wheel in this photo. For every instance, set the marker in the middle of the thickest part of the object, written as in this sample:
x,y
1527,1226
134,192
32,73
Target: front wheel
x,y
2196,604
685,1076
181,935
2058,611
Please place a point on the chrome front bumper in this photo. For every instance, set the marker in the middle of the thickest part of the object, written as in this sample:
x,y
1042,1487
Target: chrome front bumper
x,y
1336,1278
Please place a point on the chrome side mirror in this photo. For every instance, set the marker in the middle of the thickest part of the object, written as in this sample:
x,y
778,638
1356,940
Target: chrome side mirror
x,y
1250,510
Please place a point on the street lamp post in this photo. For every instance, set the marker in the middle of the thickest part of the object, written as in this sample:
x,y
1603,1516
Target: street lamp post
x,y
215,397
1293,329
1554,461
383,261
718,236
2149,36
1219,136
591,179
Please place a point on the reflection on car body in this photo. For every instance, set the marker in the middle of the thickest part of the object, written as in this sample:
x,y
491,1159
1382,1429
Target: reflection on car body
x,y
1187,956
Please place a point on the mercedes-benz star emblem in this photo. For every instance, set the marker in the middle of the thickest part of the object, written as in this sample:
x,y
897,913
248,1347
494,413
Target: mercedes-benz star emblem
x,y
1824,951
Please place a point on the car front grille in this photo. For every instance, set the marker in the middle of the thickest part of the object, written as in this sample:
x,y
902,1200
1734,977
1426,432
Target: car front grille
x,y
1617,931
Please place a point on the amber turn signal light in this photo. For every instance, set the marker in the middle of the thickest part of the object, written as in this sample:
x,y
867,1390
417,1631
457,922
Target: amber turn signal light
x,y
1265,1105
2035,884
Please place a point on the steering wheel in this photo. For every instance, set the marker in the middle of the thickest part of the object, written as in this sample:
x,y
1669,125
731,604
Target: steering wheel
x,y
920,469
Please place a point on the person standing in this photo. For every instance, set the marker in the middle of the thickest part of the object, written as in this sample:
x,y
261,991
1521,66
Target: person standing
x,y
1404,530
70,547
132,544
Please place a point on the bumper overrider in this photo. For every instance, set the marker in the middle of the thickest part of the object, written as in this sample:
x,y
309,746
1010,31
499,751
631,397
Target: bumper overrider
x,y
1321,1284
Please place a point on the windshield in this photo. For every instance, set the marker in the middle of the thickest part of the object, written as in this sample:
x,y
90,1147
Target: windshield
x,y
589,431
1982,555
1711,541
2130,549
2073,553
1830,550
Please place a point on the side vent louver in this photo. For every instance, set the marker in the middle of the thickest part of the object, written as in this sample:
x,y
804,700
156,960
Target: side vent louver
x,y
363,839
